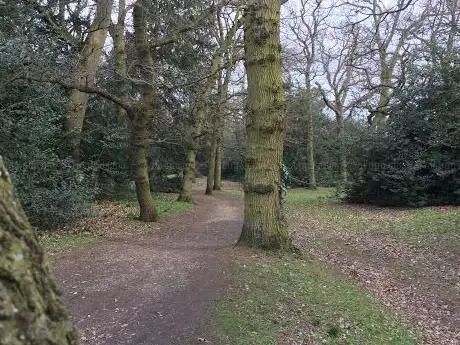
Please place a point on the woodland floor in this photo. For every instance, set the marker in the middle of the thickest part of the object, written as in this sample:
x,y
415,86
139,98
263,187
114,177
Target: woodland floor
x,y
153,288
369,276
407,259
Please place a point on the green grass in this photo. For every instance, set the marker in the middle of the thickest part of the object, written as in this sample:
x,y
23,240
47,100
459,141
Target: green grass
x,y
299,196
276,299
166,205
411,225
55,242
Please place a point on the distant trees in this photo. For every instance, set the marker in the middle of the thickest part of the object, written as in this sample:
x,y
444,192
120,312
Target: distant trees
x,y
171,106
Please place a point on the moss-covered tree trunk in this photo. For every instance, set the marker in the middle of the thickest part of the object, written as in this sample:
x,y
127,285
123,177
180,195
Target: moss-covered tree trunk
x,y
311,165
31,311
189,174
263,225
195,126
88,63
140,116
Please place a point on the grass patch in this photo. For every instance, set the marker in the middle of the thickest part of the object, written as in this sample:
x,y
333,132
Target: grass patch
x,y
166,204
54,243
289,301
299,196
324,214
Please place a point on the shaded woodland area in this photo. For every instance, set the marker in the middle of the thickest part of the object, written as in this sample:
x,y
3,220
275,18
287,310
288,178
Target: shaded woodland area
x,y
105,99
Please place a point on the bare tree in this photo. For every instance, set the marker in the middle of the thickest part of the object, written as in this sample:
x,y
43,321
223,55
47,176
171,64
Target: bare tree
x,y
225,21
342,82
306,25
386,32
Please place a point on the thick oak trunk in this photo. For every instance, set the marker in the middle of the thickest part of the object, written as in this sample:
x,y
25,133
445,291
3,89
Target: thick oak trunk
x,y
85,74
263,224
31,311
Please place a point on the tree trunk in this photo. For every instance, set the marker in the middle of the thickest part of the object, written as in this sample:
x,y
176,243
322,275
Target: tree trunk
x,y
139,119
141,115
119,46
31,310
219,157
215,159
263,225
196,120
212,160
189,173
342,153
88,63
311,166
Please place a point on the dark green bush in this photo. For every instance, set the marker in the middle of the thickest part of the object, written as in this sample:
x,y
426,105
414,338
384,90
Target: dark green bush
x,y
52,190
414,160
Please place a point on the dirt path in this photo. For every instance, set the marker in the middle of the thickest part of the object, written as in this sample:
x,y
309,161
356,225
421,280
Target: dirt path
x,y
155,289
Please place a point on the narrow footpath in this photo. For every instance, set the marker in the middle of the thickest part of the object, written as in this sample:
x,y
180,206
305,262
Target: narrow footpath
x,y
155,289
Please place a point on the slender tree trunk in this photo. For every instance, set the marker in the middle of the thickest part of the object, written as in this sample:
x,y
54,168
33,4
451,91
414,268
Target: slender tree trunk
x,y
141,115
219,158
30,307
88,63
212,160
342,153
215,158
263,225
121,64
311,166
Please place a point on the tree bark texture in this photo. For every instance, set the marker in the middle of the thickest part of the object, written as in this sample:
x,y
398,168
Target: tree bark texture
x,y
212,159
263,224
31,311
219,158
121,64
89,58
140,116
